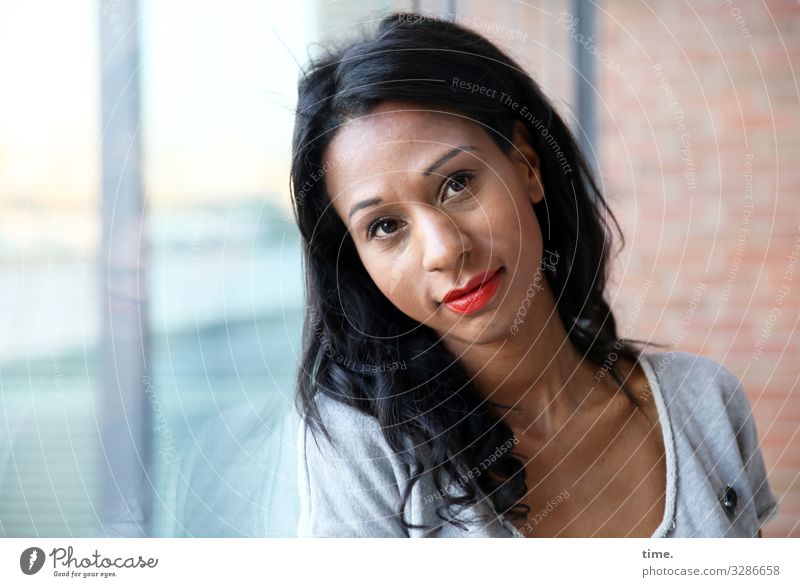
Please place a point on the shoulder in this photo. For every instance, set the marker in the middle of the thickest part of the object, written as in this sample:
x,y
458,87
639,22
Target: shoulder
x,y
680,367
691,381
356,438
701,391
349,484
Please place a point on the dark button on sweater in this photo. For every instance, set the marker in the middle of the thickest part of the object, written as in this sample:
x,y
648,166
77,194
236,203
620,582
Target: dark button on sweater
x,y
729,499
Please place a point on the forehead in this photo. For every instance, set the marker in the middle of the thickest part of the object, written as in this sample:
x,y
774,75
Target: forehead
x,y
393,139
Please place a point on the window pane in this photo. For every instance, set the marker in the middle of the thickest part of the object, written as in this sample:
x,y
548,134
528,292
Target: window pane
x,y
49,234
225,271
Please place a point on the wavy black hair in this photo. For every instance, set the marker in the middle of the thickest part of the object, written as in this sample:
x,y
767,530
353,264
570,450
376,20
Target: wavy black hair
x,y
431,404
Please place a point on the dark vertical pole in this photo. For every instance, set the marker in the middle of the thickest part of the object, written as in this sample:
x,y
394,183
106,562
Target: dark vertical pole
x,y
122,410
585,82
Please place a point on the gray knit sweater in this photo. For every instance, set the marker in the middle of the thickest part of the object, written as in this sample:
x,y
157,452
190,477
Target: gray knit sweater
x,y
712,453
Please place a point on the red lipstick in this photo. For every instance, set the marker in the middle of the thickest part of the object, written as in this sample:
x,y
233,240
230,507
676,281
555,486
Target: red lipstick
x,y
475,294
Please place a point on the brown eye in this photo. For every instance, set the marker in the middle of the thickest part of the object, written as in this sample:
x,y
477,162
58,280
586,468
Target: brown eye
x,y
382,223
458,181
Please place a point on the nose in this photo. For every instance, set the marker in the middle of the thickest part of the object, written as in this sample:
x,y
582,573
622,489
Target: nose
x,y
443,242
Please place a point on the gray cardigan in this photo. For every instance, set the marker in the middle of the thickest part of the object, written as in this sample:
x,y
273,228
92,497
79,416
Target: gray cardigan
x,y
709,436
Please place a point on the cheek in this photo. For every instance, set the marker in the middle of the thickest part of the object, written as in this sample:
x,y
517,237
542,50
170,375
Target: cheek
x,y
396,276
519,240
513,224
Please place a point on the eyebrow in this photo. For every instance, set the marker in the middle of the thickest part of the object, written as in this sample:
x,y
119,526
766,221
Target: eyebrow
x,y
447,156
436,164
363,204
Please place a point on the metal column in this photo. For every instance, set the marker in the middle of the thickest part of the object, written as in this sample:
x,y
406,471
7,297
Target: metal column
x,y
122,410
585,80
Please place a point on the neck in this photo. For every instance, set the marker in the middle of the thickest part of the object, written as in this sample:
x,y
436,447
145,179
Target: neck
x,y
537,370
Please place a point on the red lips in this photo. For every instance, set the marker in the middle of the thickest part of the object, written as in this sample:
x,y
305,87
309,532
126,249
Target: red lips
x,y
475,294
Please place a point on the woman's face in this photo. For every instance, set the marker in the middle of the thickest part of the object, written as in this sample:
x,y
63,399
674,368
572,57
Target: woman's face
x,y
432,204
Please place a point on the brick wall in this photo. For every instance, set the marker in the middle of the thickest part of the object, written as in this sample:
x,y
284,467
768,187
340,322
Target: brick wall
x,y
698,150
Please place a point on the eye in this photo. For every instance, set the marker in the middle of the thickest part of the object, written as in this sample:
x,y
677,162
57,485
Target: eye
x,y
381,223
459,181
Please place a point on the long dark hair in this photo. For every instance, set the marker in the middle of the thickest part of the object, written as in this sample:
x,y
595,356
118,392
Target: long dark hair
x,y
354,338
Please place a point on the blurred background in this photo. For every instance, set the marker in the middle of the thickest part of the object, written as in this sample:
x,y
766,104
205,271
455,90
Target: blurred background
x,y
150,279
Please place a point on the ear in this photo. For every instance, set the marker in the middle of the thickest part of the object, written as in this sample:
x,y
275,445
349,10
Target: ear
x,y
526,160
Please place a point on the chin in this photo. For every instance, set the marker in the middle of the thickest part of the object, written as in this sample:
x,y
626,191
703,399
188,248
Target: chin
x,y
490,329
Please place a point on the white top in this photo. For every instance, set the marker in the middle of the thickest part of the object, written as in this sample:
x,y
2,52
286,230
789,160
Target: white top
x,y
711,450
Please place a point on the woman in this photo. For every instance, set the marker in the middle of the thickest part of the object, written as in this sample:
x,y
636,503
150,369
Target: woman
x,y
461,372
